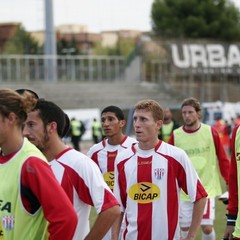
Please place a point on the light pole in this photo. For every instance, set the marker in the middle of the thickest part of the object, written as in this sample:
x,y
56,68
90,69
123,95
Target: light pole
x,y
50,43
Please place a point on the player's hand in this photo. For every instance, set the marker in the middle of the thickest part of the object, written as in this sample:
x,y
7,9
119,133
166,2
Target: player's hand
x,y
228,233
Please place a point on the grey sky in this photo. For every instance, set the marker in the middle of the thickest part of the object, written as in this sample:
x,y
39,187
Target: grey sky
x,y
98,15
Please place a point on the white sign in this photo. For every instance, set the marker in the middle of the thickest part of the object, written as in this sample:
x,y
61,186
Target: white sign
x,y
205,56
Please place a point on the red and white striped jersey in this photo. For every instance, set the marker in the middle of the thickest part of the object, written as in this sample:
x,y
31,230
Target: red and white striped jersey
x,y
147,185
83,182
104,155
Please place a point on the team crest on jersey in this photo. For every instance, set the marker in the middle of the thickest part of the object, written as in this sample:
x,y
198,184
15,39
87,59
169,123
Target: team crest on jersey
x,y
159,173
8,222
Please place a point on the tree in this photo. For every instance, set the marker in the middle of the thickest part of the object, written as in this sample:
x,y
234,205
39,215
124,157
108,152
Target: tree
x,y
213,19
21,43
65,47
123,47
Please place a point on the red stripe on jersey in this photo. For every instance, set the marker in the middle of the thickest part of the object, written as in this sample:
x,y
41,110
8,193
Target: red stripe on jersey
x,y
207,214
122,179
175,171
94,157
109,200
111,156
123,140
67,186
76,182
126,231
144,210
200,191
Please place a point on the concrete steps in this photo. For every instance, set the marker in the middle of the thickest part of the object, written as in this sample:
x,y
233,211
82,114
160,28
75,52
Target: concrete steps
x,y
73,95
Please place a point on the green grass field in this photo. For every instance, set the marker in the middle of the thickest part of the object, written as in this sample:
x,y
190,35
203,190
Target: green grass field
x,y
219,225
220,219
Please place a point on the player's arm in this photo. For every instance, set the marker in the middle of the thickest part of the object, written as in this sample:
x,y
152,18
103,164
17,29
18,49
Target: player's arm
x,y
233,192
103,223
233,184
116,227
93,190
224,163
198,208
38,177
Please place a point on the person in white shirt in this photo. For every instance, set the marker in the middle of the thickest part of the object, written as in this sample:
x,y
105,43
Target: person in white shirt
x,y
79,176
148,179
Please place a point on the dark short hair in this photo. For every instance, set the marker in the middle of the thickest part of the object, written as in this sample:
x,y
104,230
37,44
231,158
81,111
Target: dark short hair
x,y
50,112
114,109
67,126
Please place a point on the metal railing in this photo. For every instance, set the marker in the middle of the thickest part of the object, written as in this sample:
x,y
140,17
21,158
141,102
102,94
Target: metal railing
x,y
28,68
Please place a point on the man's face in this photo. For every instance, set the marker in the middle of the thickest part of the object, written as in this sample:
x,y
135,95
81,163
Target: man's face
x,y
4,126
110,124
190,116
167,115
146,128
35,130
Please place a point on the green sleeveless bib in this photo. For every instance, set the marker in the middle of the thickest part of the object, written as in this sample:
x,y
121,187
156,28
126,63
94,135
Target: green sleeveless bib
x,y
16,222
200,148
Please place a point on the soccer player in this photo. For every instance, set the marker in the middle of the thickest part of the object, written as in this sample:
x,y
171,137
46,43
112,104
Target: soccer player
x,y
32,204
203,146
79,176
148,178
105,152
233,217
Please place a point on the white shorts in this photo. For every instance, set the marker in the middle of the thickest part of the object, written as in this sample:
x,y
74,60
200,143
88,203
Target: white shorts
x,y
185,213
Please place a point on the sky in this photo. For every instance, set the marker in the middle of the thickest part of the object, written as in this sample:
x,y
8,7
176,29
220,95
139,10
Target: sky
x,y
98,15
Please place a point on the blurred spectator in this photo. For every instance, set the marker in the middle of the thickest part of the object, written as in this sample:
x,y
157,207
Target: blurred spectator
x,y
96,131
169,124
224,131
77,129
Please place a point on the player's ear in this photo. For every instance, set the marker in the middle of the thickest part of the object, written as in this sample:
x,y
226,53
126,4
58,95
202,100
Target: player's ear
x,y
122,123
12,118
159,124
52,127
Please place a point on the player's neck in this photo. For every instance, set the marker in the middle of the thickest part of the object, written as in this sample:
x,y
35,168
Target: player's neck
x,y
149,144
116,139
12,144
54,149
193,127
